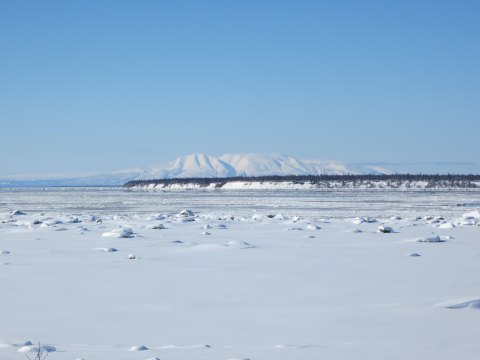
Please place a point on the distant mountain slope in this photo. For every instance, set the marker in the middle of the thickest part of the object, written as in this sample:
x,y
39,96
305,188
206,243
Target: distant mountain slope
x,y
230,165
194,165
107,179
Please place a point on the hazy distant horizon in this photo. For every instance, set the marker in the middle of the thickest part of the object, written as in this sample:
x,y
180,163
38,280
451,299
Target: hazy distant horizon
x,y
460,168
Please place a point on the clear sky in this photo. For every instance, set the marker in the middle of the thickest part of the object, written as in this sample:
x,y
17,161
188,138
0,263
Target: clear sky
x,y
100,85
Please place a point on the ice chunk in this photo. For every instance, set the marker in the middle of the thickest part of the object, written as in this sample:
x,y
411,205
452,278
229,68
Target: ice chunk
x,y
385,229
186,213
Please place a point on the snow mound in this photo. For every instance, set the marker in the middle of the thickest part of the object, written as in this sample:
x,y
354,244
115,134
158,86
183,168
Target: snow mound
x,y
361,220
36,349
18,212
446,225
119,233
472,215
186,213
158,227
470,218
234,244
110,249
313,227
295,229
157,217
52,222
430,239
138,348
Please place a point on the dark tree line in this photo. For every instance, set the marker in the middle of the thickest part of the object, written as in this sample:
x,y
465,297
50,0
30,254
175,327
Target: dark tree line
x,y
448,180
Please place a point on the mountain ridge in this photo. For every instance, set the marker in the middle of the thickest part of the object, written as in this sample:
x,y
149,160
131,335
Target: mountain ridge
x,y
231,165
205,166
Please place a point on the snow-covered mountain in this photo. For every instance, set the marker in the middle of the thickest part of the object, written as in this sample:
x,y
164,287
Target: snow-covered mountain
x,y
201,165
194,165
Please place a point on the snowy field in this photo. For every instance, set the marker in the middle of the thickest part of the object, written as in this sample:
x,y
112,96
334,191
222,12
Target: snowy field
x,y
101,274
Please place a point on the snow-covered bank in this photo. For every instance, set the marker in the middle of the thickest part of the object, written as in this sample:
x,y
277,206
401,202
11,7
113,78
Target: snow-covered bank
x,y
299,185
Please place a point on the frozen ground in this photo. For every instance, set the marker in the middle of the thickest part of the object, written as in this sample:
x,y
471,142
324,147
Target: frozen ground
x,y
246,275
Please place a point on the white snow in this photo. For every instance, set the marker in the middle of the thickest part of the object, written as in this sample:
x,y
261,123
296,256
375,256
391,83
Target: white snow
x,y
250,289
119,233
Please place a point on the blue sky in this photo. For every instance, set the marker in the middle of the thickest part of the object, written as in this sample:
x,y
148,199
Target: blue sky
x,y
91,86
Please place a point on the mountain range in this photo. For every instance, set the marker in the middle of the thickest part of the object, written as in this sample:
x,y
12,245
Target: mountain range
x,y
205,166
201,165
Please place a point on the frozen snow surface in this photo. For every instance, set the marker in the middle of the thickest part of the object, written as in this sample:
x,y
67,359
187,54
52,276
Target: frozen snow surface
x,y
364,274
